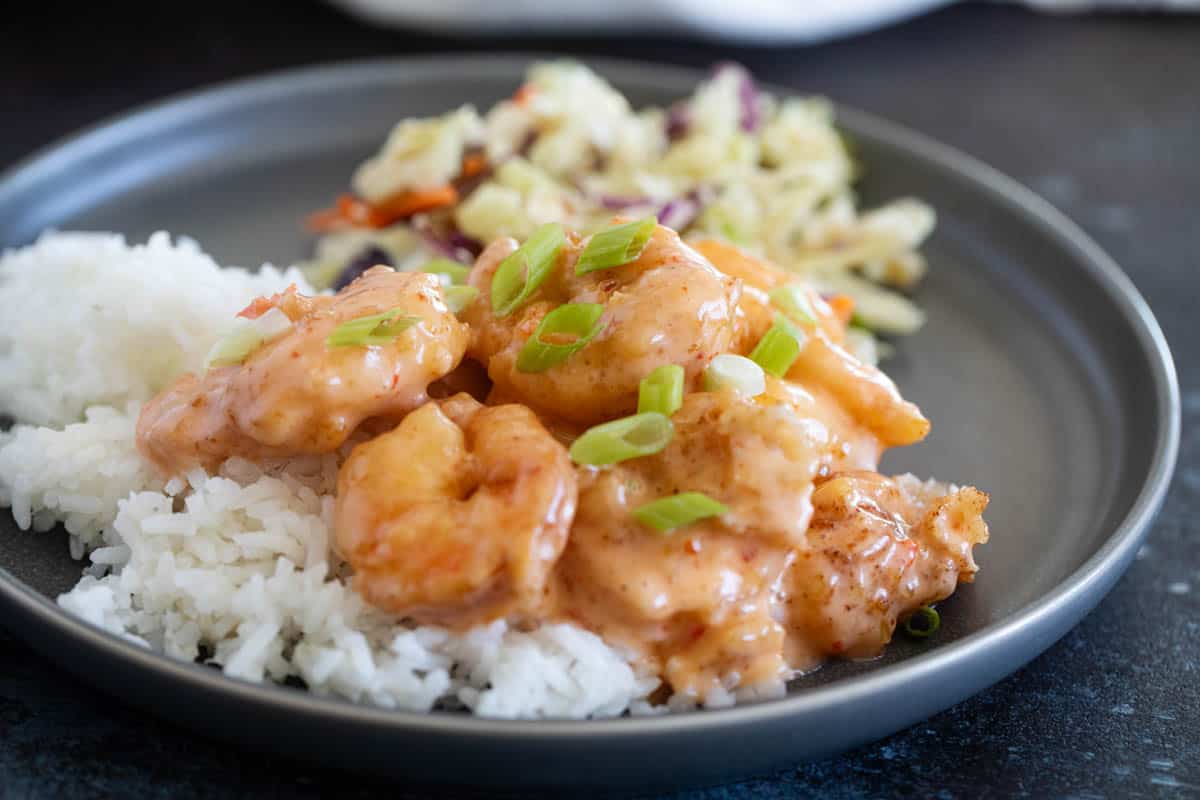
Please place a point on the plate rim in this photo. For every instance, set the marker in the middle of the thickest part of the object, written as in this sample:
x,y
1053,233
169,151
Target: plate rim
x,y
1082,589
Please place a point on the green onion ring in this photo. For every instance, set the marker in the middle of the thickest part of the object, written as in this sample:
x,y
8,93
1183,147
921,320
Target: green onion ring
x,y
580,320
661,390
779,347
616,245
793,300
930,619
729,371
526,268
623,439
371,330
667,513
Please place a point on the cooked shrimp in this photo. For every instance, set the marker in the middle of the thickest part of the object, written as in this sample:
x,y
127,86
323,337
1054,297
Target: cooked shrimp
x,y
877,548
865,391
457,515
755,313
669,306
702,596
295,395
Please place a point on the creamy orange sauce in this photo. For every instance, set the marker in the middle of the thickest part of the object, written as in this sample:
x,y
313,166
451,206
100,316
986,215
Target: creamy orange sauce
x,y
295,395
817,556
669,306
465,507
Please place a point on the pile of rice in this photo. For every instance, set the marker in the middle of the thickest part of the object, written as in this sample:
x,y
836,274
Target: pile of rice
x,y
233,569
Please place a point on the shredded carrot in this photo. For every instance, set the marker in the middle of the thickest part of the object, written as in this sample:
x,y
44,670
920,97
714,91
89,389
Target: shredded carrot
x,y
327,219
354,212
473,164
413,201
524,94
843,307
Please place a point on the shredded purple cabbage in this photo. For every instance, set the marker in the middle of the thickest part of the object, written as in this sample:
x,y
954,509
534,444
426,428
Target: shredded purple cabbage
x,y
749,96
681,212
678,213
368,257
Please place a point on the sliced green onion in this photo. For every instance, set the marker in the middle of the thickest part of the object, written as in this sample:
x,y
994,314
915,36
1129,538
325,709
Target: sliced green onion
x,y
616,245
928,621
661,390
738,373
779,347
623,439
247,336
668,513
372,330
519,275
453,272
562,332
793,301
459,297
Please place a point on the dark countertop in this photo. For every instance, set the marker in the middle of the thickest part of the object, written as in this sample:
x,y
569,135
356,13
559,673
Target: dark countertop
x,y
1101,115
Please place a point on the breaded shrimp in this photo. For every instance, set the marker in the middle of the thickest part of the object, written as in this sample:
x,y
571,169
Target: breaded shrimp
x,y
458,515
878,548
296,394
668,306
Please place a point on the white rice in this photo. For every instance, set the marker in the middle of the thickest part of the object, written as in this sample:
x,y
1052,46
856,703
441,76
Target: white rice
x,y
74,476
236,568
90,320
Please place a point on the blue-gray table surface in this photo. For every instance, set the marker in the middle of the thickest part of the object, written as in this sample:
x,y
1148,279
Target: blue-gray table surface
x,y
1101,115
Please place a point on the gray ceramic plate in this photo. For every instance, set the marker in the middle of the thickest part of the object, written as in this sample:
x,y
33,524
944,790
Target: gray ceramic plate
x,y
1047,379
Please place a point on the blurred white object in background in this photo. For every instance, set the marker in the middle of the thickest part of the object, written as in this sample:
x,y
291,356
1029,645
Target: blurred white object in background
x,y
765,21
749,21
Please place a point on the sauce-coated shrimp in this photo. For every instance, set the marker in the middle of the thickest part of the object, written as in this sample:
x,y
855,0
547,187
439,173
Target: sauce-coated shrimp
x,y
457,515
755,313
877,548
296,395
700,597
863,389
668,306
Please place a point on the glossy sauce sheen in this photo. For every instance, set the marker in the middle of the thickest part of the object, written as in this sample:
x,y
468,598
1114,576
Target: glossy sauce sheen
x,y
669,306
460,512
295,395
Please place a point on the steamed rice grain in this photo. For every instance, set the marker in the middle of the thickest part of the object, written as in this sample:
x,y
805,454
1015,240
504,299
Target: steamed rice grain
x,y
91,320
